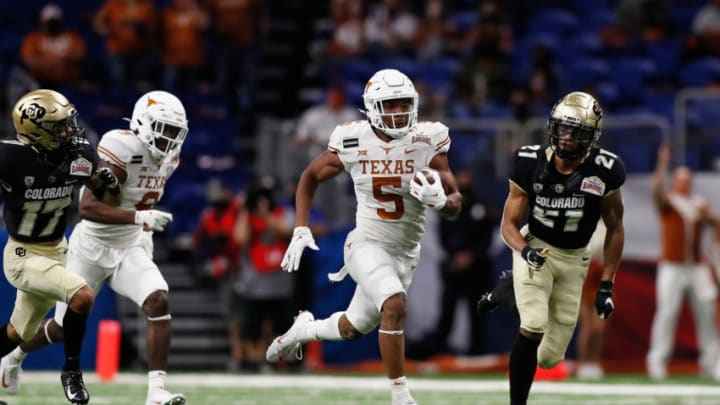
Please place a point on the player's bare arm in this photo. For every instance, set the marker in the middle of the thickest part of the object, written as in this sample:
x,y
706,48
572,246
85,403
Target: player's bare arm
x,y
516,206
611,208
105,211
657,184
454,198
325,166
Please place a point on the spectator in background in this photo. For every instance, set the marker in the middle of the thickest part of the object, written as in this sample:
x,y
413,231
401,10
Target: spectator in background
x,y
183,53
53,53
218,257
681,271
543,80
492,33
467,265
130,29
484,77
648,19
313,133
391,29
637,20
265,291
217,251
431,39
237,27
348,38
706,31
317,123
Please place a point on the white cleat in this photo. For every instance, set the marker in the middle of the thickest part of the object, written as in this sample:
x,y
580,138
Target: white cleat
x,y
406,402
10,371
288,344
162,397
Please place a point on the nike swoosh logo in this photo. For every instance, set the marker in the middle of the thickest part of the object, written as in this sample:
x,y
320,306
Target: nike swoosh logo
x,y
70,395
410,150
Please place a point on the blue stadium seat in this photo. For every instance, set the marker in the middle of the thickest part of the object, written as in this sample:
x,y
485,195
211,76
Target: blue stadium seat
x,y
406,65
665,54
631,75
587,72
358,69
464,20
700,72
557,22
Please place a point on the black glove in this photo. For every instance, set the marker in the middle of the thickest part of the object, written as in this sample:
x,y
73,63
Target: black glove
x,y
603,300
109,180
534,257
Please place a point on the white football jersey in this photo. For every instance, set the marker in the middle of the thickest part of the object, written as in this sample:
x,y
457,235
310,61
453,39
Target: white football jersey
x,y
382,171
143,188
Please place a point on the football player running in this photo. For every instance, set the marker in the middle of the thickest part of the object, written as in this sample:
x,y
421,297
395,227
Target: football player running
x,y
563,188
113,244
38,173
398,167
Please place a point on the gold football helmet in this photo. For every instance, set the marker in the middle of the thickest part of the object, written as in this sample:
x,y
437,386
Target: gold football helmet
x,y
575,125
46,119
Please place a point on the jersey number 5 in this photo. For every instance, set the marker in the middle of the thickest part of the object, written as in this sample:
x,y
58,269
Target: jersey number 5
x,y
379,195
31,210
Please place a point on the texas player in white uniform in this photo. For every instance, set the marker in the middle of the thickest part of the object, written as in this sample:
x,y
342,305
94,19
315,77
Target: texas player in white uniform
x,y
398,167
113,244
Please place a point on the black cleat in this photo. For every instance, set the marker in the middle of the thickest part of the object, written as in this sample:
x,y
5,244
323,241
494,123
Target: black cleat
x,y
503,294
74,387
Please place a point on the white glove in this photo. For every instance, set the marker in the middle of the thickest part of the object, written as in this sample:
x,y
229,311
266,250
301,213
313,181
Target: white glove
x,y
302,238
432,195
154,220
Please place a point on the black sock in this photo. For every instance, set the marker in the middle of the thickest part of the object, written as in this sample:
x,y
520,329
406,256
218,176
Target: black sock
x,y
6,345
523,363
74,330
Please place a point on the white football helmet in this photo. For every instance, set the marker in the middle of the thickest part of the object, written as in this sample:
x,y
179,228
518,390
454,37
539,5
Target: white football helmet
x,y
159,120
390,84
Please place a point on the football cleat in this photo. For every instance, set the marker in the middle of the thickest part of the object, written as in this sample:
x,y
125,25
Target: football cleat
x,y
10,372
162,397
288,343
74,387
406,402
503,294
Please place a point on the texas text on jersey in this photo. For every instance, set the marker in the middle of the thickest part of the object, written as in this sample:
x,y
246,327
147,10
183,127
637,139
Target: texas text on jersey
x,y
382,172
37,196
564,209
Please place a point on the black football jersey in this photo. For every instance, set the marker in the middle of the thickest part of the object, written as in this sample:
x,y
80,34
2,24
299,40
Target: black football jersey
x,y
37,195
563,209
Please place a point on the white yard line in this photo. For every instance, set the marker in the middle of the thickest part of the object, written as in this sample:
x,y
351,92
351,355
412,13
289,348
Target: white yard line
x,y
380,383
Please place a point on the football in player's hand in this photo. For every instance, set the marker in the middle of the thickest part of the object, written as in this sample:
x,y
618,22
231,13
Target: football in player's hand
x,y
427,172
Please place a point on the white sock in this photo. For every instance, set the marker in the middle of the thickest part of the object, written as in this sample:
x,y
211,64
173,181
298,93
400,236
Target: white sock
x,y
322,329
399,389
17,354
156,380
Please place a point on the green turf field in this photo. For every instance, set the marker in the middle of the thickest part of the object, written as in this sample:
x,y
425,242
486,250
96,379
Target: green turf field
x,y
225,389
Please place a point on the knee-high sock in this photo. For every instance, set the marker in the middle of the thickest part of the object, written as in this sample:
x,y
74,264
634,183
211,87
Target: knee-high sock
x,y
6,345
74,329
523,363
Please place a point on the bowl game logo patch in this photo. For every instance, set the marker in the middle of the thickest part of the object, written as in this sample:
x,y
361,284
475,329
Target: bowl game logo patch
x,y
593,185
81,167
